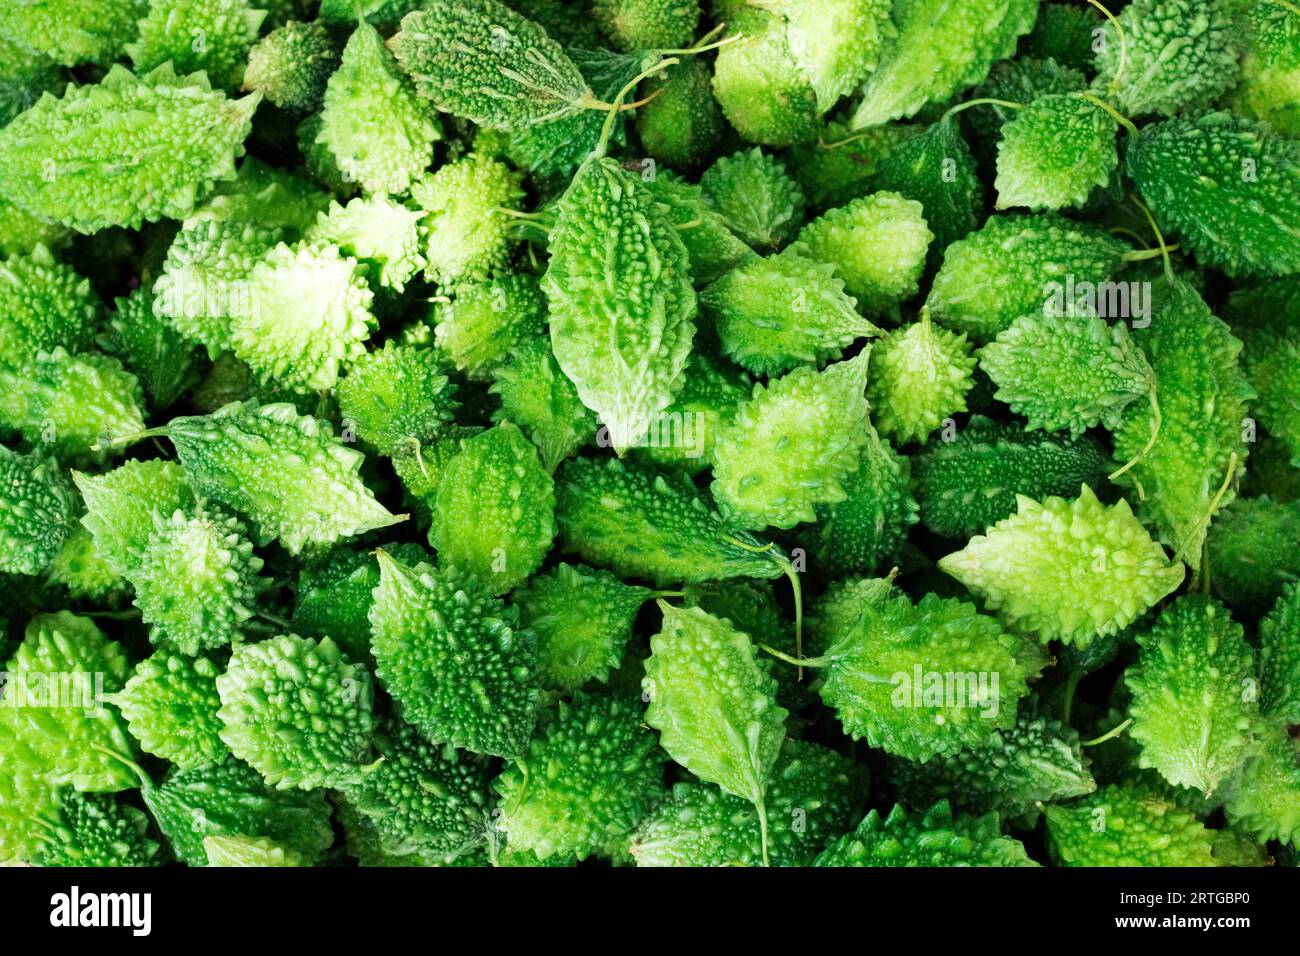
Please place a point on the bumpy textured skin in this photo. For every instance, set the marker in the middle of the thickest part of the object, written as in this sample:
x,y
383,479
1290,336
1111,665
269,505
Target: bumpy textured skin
x,y
453,659
62,159
1066,570
969,482
1279,658
1227,187
309,313
297,711
838,167
378,131
537,396
868,528
232,799
58,741
25,801
495,512
269,197
21,232
422,798
1271,360
291,65
383,234
873,651
642,523
756,197
44,304
770,468
684,123
1019,80
1195,697
97,830
936,169
1252,550
919,377
937,838
250,851
1269,89
70,403
997,273
774,314
480,60
814,794
710,395
712,703
1055,152
72,31
285,472
1126,826
335,594
940,49
1204,398
485,320
582,618
26,74
467,236
711,246
1063,32
79,567
172,28
876,243
584,783
647,24
397,397
170,704
197,582
151,348
1178,55
761,91
1036,760
37,513
558,147
1067,373
1263,797
835,43
420,470
204,279
120,505
624,350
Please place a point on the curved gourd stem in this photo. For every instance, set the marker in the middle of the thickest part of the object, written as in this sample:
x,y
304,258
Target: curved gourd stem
x,y
1123,46
616,106
1071,686
1114,113
1209,511
1160,236
980,101
1113,732
704,44
761,806
146,783
793,577
1156,421
797,661
123,441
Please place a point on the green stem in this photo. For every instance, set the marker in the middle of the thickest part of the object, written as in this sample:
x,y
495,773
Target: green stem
x,y
1070,686
1157,420
1113,732
981,101
762,828
1142,255
1209,512
131,439
1160,236
616,106
1123,46
145,782
704,44
1114,113
131,614
275,619
797,661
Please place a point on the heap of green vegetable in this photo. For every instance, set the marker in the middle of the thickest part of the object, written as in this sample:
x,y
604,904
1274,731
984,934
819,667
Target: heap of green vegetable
x,y
792,432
